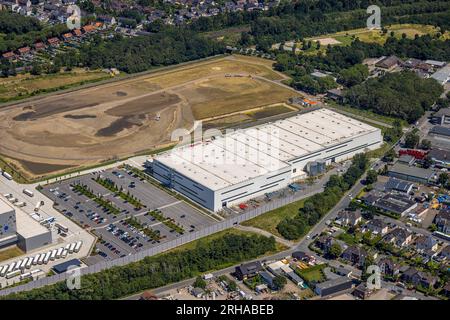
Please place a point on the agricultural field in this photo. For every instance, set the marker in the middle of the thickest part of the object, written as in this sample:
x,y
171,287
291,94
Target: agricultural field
x,y
85,127
26,85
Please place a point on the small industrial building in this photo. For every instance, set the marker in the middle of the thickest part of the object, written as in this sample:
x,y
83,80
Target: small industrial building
x,y
440,157
442,75
397,185
230,169
19,228
333,286
63,267
442,116
440,131
411,173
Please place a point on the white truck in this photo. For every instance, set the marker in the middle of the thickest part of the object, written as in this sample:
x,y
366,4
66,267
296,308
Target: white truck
x,y
78,246
12,274
28,192
29,263
59,252
11,267
72,247
36,259
3,271
21,204
41,259
47,257
53,254
38,206
7,175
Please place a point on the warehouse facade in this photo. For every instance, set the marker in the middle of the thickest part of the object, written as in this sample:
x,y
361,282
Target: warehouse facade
x,y
238,166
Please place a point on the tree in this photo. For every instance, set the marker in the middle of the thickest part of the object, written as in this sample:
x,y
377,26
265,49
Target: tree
x,y
335,251
371,177
411,140
199,283
425,144
443,179
427,162
279,282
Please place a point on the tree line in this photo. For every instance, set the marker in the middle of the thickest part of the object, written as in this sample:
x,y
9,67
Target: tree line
x,y
157,271
318,205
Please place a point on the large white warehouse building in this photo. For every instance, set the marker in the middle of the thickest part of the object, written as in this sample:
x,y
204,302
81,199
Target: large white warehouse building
x,y
238,166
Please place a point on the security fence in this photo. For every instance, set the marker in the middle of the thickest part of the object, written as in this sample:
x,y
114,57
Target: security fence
x,y
220,226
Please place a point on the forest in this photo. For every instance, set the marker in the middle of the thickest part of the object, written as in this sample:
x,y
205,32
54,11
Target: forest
x,y
401,95
157,271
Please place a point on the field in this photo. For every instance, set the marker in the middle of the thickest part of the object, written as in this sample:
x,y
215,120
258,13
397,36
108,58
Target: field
x,y
115,120
25,85
269,221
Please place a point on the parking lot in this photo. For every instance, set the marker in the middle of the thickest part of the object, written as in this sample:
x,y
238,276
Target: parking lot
x,y
123,227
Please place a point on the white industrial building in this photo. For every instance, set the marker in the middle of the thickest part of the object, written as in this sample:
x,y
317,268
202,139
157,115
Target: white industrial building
x,y
19,228
238,166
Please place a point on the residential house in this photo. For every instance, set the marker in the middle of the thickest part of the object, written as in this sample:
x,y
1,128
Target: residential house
x,y
389,63
24,50
445,253
425,243
248,270
362,291
39,46
355,255
9,55
107,20
442,221
324,242
67,36
377,226
53,41
388,267
268,279
397,185
419,278
399,237
349,218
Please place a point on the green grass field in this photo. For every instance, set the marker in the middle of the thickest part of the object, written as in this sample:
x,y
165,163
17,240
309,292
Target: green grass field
x,y
269,221
314,273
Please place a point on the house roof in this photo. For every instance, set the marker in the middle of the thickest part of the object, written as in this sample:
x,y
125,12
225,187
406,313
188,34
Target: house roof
x,y
9,54
355,250
439,154
388,62
249,268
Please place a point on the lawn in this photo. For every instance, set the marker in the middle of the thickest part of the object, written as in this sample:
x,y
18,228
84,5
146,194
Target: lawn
x,y
10,253
269,221
312,274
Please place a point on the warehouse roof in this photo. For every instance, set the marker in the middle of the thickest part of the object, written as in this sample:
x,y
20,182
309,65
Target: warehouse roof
x,y
27,227
5,207
248,153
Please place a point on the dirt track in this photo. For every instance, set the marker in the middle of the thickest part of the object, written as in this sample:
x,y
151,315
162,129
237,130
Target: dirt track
x,y
123,118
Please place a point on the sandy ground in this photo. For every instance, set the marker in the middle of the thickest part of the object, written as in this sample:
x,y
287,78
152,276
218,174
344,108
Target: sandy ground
x,y
328,41
120,119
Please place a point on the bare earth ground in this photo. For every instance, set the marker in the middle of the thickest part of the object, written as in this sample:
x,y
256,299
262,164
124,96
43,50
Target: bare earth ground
x,y
120,119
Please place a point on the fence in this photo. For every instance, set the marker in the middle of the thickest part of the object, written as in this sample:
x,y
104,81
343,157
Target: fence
x,y
274,204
